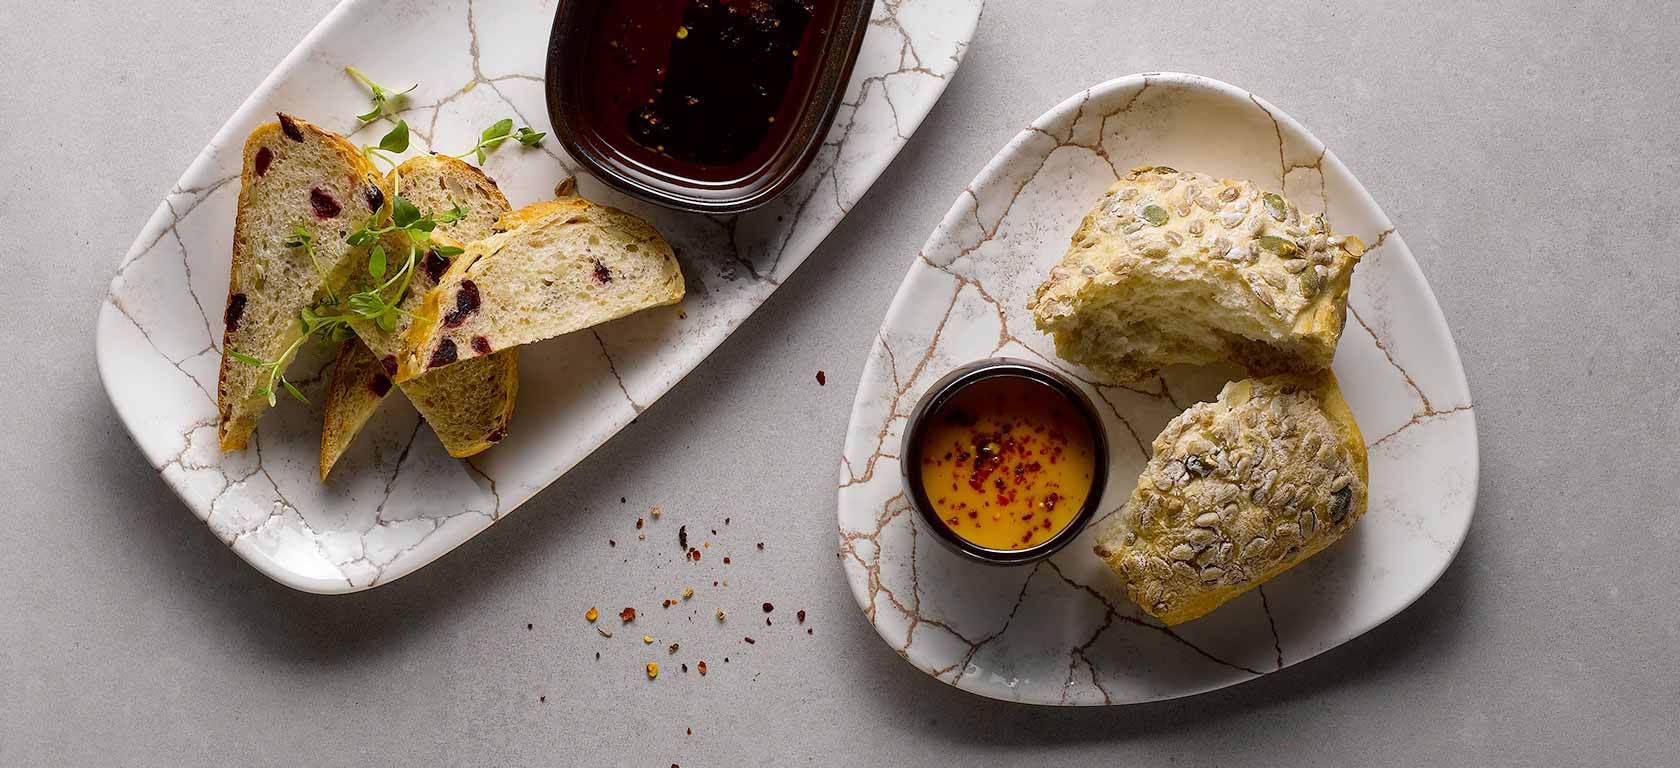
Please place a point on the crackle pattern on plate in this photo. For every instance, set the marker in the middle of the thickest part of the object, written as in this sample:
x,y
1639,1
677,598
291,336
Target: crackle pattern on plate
x,y
1062,631
396,500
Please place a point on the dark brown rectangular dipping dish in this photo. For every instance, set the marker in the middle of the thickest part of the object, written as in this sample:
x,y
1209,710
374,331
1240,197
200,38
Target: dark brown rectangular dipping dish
x,y
713,106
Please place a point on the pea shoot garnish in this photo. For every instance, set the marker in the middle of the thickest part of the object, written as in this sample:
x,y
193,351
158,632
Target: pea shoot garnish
x,y
500,132
384,99
329,319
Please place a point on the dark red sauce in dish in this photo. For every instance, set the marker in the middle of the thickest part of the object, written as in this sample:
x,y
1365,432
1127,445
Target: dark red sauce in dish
x,y
712,102
706,88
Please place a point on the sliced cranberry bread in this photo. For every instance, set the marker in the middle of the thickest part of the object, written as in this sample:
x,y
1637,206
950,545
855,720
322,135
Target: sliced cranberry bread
x,y
467,406
561,266
294,175
358,385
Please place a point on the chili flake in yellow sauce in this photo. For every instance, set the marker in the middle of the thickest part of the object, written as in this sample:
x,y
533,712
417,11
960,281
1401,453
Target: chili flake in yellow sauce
x,y
1007,462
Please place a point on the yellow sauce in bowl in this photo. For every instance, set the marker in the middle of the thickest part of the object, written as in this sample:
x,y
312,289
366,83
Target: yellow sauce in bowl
x,y
1007,462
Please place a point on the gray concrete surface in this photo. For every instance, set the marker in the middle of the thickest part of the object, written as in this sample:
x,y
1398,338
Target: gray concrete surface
x,y
1529,153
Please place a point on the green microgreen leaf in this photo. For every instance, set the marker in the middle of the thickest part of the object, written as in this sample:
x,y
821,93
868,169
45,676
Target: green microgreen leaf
x,y
295,392
529,137
404,213
448,251
497,134
299,238
376,261
397,139
452,215
383,99
497,130
244,358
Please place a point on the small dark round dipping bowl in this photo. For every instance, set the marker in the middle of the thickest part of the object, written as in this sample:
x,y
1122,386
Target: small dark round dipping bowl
x,y
960,379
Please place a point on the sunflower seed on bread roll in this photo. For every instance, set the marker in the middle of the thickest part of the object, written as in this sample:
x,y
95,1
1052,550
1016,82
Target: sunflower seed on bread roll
x,y
1176,267
1239,490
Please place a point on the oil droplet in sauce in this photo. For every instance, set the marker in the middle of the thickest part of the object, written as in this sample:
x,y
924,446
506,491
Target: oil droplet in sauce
x,y
1007,462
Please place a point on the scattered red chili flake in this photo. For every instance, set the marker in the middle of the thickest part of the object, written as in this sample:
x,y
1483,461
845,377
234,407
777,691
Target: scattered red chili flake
x,y
801,616
768,607
749,640
542,699
702,667
673,649
808,631
638,523
668,602
691,731
725,559
822,379
761,545
627,615
767,623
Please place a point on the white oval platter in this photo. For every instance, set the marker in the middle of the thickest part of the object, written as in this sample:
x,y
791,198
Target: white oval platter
x,y
1062,631
397,501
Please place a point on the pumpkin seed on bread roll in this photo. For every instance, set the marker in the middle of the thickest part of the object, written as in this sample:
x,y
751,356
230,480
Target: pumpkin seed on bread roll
x,y
1238,491
1175,267
561,266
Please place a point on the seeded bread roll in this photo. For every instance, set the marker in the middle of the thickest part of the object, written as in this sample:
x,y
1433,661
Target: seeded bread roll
x,y
294,175
1239,490
468,406
1174,267
561,266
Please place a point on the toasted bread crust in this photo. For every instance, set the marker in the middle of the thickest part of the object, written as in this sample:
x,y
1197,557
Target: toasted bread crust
x,y
469,407
635,243
238,405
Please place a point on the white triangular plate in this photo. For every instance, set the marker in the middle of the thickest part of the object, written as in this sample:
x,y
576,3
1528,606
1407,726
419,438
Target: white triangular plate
x,y
397,501
1062,631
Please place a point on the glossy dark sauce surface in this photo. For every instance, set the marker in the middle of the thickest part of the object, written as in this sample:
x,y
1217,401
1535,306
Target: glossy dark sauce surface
x,y
700,89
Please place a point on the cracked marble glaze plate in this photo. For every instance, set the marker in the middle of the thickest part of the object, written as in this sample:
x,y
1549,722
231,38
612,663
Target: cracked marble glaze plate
x,y
397,501
1062,631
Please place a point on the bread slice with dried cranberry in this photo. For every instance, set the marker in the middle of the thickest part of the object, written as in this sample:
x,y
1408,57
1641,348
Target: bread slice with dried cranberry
x,y
467,406
295,175
561,266
357,386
